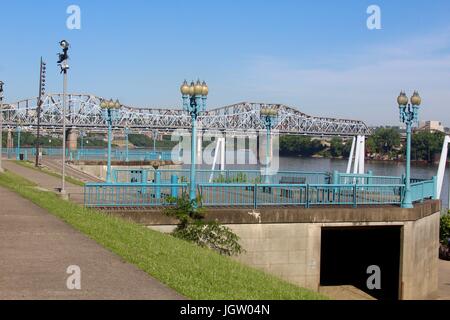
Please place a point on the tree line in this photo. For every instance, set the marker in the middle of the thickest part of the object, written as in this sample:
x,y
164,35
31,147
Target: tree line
x,y
385,143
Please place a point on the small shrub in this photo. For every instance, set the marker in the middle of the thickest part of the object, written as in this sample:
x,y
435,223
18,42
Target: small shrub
x,y
445,229
211,235
193,228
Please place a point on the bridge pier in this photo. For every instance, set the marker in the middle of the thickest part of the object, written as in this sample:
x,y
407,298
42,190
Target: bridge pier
x,y
72,140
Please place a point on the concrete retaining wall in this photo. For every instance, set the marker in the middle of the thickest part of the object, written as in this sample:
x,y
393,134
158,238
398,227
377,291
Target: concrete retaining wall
x,y
287,243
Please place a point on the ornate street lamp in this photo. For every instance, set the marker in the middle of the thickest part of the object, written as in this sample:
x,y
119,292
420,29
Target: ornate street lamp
x,y
110,112
409,115
194,102
269,116
1,125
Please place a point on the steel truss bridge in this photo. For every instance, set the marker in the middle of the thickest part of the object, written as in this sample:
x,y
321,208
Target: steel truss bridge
x,y
83,113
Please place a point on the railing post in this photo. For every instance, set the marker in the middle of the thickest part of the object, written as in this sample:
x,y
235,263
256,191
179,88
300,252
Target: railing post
x,y
355,202
336,177
435,188
307,196
158,184
255,196
369,178
144,181
336,180
174,182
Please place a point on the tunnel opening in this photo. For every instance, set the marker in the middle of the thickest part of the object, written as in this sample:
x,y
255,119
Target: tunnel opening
x,y
347,253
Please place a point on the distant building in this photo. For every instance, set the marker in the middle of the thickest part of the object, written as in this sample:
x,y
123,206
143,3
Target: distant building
x,y
431,126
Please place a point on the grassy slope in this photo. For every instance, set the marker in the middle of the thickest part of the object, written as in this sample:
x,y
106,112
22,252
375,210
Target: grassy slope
x,y
30,165
190,270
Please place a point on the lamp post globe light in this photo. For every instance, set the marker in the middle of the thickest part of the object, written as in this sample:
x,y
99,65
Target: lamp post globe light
x,y
269,116
409,115
1,125
194,102
64,65
110,112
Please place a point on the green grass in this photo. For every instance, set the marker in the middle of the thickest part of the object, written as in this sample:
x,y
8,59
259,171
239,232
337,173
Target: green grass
x,y
30,165
192,271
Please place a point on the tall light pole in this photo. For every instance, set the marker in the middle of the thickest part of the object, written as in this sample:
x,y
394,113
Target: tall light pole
x,y
110,110
154,136
127,132
18,131
409,115
1,125
194,102
42,74
269,116
63,64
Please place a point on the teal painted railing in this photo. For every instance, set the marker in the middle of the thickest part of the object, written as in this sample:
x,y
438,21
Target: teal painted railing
x,y
149,188
369,178
259,195
131,195
217,176
102,154
424,190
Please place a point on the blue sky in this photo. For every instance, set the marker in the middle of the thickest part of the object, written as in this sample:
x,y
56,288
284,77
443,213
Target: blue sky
x,y
318,56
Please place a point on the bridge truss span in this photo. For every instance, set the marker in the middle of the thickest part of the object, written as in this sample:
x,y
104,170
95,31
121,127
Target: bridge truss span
x,y
84,113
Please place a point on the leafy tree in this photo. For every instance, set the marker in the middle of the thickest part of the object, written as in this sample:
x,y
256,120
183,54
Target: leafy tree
x,y
384,141
425,145
299,146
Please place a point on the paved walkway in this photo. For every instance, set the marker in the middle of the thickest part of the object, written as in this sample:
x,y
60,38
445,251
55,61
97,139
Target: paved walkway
x,y
46,181
36,249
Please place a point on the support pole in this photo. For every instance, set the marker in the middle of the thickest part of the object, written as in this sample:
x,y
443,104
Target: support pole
x,y
352,154
357,155
407,201
362,155
108,169
442,165
192,187
63,182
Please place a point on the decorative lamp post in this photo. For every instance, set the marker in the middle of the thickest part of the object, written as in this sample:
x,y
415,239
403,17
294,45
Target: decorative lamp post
x,y
110,111
1,124
194,102
409,115
269,116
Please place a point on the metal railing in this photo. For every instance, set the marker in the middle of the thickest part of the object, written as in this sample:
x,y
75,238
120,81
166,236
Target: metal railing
x,y
131,195
369,178
424,190
218,176
254,195
260,195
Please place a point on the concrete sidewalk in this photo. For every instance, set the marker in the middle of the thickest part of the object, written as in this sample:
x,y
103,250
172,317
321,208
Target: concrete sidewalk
x,y
46,181
36,249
